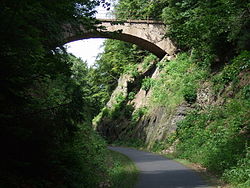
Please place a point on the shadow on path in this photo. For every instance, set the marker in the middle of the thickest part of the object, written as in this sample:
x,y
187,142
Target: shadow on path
x,y
159,172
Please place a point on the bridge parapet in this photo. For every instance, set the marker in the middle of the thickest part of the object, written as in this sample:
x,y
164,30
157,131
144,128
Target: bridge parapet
x,y
132,21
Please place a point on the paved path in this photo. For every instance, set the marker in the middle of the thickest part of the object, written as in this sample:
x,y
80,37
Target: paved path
x,y
159,172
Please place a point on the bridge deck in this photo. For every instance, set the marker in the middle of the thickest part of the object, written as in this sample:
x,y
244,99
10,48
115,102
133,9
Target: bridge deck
x,y
133,21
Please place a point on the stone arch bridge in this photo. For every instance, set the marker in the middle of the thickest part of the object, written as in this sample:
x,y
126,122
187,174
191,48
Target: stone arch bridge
x,y
147,34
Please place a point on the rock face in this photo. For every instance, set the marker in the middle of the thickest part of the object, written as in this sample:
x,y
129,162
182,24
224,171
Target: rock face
x,y
158,122
205,96
151,127
121,89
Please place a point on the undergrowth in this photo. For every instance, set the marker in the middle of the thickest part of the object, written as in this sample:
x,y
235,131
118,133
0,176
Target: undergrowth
x,y
218,137
178,82
123,172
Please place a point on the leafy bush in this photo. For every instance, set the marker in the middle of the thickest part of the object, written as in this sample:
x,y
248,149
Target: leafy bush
x,y
179,80
131,95
139,9
190,94
147,83
208,28
217,138
159,146
83,161
120,98
105,112
131,69
123,173
148,60
138,114
239,174
246,92
231,72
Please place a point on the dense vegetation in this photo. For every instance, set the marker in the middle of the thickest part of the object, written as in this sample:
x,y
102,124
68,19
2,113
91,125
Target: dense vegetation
x,y
213,38
118,58
218,137
214,135
47,100
123,171
48,97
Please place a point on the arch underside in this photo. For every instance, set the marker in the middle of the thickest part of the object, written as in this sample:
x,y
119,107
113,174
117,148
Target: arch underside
x,y
144,44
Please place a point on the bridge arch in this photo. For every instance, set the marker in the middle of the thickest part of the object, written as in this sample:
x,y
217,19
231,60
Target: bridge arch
x,y
149,35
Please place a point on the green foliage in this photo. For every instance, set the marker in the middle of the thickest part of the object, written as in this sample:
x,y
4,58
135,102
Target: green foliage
x,y
148,60
119,110
45,138
239,174
132,70
105,112
83,162
118,58
138,113
208,27
231,72
57,148
159,146
120,99
190,93
131,95
246,92
178,81
123,172
139,9
217,138
147,83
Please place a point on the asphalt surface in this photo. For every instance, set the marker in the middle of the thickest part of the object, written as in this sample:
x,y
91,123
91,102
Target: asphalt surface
x,y
159,172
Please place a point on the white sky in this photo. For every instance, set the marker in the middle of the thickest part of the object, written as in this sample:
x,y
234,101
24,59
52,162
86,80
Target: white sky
x,y
88,49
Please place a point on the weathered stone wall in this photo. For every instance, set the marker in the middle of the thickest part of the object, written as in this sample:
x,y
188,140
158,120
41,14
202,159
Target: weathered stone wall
x,y
149,35
150,31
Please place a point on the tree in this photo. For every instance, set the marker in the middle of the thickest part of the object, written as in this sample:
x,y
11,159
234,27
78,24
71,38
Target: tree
x,y
139,9
209,28
45,134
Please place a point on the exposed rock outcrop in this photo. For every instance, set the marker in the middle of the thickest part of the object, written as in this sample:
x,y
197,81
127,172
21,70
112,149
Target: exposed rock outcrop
x,y
138,118
159,123
156,124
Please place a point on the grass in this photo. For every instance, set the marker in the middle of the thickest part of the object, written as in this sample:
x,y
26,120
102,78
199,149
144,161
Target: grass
x,y
177,82
123,172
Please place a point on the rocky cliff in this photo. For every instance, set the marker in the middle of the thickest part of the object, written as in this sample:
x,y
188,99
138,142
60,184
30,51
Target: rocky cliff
x,y
137,108
138,118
